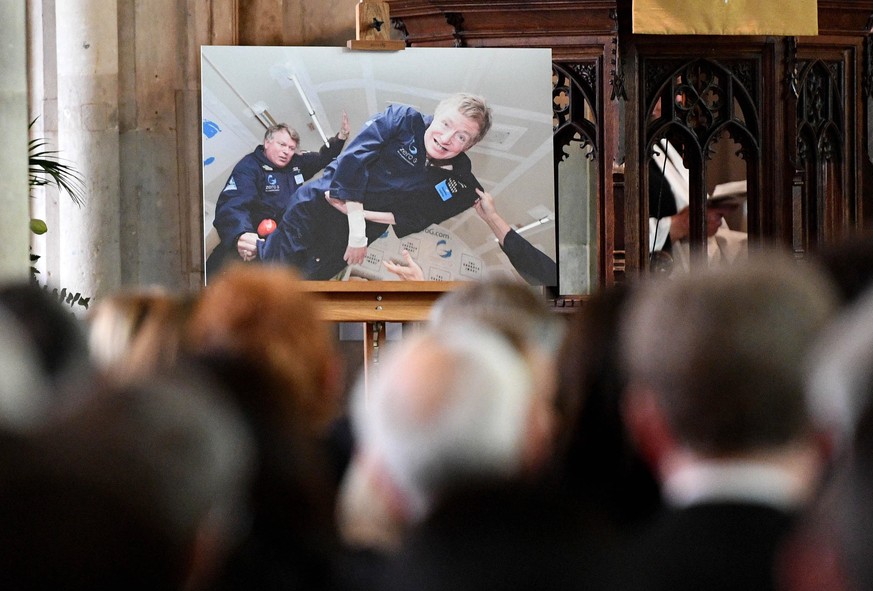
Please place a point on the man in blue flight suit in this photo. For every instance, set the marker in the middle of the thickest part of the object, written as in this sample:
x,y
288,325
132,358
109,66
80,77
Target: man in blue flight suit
x,y
261,186
407,169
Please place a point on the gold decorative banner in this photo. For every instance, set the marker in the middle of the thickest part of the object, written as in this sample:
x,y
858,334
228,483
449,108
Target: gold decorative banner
x,y
725,17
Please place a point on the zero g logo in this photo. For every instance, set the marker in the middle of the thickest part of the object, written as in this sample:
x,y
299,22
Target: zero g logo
x,y
442,249
409,154
272,184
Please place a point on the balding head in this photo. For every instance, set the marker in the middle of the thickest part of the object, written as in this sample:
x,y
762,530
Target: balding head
x,y
446,407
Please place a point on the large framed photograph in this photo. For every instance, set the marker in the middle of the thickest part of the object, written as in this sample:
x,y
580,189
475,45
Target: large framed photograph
x,y
361,165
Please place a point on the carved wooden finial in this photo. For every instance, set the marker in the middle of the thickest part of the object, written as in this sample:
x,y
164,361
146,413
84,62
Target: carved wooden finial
x,y
371,34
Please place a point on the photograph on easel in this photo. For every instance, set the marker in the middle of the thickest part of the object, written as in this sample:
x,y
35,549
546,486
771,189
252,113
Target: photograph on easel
x,y
422,164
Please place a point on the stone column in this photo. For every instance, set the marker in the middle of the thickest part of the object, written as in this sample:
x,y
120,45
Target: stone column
x,y
14,259
87,85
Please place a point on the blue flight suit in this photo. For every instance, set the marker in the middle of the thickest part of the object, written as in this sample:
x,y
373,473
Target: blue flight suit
x,y
385,168
257,190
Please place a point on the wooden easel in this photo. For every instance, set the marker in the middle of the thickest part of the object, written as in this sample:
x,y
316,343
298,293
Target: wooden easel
x,y
373,28
374,303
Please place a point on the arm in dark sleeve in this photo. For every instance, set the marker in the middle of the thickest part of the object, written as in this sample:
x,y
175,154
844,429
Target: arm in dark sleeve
x,y
533,265
233,211
312,162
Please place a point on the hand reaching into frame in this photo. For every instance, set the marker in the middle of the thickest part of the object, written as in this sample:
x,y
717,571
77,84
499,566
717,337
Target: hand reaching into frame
x,y
408,271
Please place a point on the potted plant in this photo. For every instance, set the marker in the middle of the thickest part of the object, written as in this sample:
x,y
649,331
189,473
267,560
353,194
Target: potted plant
x,y
45,167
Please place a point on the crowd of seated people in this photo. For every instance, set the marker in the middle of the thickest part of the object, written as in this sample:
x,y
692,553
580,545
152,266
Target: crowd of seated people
x,y
704,431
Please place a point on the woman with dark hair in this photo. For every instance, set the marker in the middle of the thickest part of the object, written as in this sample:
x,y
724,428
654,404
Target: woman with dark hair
x,y
596,458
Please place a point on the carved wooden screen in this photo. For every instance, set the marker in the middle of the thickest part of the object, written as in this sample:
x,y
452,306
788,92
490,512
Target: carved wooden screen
x,y
575,107
793,107
693,104
820,155
575,110
823,195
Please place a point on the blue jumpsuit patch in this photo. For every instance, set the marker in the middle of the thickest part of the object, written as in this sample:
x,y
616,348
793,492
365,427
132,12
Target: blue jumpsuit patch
x,y
448,188
443,190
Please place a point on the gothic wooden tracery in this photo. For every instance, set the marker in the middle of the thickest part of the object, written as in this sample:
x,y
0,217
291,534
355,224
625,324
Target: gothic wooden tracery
x,y
793,111
574,107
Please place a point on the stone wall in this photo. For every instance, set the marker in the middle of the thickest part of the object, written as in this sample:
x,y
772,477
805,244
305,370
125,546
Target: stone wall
x,y
116,85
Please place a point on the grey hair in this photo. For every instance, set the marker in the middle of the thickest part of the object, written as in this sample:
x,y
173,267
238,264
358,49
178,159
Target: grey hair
x,y
471,106
461,418
274,129
723,350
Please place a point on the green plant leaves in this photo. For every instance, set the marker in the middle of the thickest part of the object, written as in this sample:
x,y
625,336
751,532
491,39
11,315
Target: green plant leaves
x,y
45,168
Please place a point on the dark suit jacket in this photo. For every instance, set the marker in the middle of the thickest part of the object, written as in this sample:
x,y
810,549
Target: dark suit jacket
x,y
508,537
711,546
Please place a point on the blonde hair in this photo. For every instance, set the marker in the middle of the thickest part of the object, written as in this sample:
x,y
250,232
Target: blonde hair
x,y
134,333
274,129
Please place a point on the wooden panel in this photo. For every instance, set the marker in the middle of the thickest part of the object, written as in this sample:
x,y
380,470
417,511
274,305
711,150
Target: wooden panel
x,y
261,23
844,17
223,21
502,22
833,168
326,22
378,301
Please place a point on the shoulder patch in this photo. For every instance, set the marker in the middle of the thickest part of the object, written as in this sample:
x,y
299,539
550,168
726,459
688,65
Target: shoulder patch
x,y
231,185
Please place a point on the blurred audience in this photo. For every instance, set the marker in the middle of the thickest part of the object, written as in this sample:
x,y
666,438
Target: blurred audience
x,y
517,311
138,488
445,407
137,331
454,430
51,351
597,461
521,316
699,432
716,403
24,390
58,336
265,319
849,263
829,550
260,333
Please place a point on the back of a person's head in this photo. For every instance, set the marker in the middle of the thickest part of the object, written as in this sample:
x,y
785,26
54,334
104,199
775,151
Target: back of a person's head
x,y
840,371
24,390
589,372
848,261
446,408
262,316
830,546
136,331
122,492
512,308
57,335
597,458
723,350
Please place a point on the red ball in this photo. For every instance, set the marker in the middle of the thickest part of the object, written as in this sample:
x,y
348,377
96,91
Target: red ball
x,y
266,227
